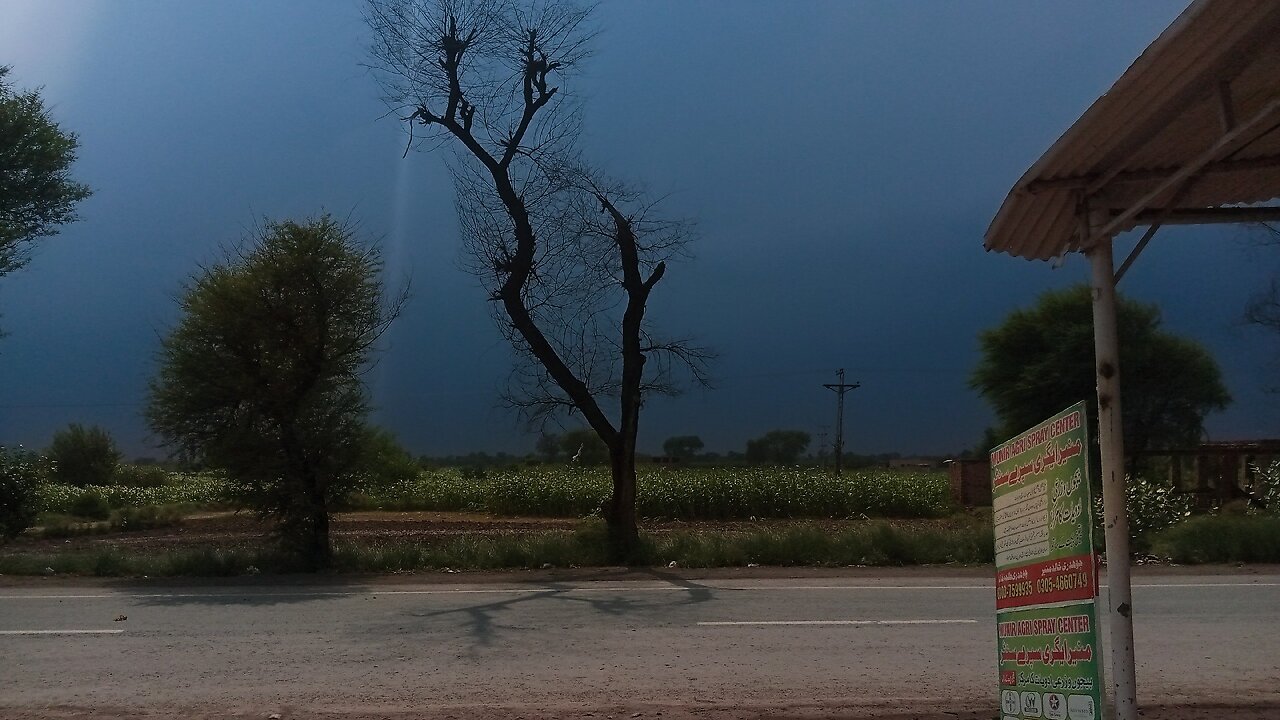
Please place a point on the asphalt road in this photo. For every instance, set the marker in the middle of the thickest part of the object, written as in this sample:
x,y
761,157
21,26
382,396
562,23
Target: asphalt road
x,y
899,642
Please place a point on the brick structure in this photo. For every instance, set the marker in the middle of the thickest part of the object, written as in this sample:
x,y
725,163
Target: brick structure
x,y
970,482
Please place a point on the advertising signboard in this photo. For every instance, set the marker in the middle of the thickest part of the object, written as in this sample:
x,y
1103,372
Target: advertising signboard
x,y
1049,659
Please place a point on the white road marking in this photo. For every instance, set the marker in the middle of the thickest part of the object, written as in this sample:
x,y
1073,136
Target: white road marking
x,y
247,593
841,622
60,632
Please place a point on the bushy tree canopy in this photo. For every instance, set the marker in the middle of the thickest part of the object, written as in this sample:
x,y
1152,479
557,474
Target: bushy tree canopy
x,y
584,447
682,446
37,194
83,455
778,447
20,476
1041,360
262,375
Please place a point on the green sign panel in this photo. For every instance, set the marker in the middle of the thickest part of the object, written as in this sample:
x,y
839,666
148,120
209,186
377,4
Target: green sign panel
x,y
1046,619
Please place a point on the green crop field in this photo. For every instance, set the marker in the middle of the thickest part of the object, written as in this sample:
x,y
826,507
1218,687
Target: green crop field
x,y
693,493
199,489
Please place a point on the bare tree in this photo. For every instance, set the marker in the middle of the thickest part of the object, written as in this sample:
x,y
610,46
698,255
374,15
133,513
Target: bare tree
x,y
568,257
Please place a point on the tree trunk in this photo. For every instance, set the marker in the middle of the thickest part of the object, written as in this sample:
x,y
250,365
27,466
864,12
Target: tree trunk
x,y
319,550
624,536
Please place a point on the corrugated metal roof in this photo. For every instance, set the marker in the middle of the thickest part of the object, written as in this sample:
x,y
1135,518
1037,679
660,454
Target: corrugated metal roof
x,y
1163,113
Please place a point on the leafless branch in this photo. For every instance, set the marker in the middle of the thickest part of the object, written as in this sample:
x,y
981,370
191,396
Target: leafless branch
x,y
567,256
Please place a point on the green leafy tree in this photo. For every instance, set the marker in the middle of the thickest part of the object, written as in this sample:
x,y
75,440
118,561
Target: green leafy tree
x,y
1041,360
37,194
83,456
20,475
262,376
778,447
682,446
387,461
583,446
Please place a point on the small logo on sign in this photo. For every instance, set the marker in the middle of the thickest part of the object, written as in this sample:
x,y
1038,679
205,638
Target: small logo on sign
x,y
1031,704
1009,702
1055,706
1080,707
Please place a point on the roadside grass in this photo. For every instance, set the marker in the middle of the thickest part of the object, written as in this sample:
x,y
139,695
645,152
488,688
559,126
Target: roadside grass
x,y
114,562
129,519
1221,538
877,542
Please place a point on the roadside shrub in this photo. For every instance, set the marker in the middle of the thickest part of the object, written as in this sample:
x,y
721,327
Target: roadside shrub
x,y
147,517
1267,490
58,525
386,462
1152,507
131,475
83,456
91,505
20,475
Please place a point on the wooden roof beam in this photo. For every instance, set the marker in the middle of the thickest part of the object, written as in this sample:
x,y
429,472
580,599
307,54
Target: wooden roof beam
x,y
1206,83
1205,216
1075,182
1225,144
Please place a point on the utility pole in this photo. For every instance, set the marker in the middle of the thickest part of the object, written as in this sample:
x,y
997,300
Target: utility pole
x,y
822,446
840,387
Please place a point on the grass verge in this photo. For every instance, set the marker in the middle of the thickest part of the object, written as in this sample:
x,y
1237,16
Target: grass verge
x,y
1221,538
132,519
872,543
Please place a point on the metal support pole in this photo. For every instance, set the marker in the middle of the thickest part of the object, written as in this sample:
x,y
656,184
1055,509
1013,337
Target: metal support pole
x,y
1111,441
840,423
840,388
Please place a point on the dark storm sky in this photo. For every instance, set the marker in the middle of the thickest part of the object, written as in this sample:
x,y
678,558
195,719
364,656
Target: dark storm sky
x,y
842,161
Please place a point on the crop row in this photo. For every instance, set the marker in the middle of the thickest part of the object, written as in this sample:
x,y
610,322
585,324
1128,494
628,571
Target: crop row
x,y
699,493
203,489
710,493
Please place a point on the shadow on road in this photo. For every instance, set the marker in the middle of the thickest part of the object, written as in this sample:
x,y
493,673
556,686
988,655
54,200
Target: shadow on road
x,y
482,620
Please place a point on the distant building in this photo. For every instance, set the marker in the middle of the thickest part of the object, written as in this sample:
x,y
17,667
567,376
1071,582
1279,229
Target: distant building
x,y
914,463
